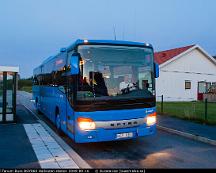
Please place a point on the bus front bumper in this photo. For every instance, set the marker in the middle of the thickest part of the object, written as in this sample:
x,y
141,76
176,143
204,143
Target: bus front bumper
x,y
100,135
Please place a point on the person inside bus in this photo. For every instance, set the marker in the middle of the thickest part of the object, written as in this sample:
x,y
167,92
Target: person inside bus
x,y
85,85
126,85
98,84
145,84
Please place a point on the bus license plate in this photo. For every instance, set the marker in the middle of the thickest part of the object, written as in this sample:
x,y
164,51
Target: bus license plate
x,y
124,135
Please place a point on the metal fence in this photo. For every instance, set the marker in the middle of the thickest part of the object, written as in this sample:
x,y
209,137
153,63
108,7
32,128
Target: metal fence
x,y
202,111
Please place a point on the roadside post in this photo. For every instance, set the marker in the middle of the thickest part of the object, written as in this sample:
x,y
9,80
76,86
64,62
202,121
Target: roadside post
x,y
206,109
162,110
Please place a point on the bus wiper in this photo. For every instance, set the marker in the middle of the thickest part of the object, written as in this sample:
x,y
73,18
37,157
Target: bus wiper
x,y
128,89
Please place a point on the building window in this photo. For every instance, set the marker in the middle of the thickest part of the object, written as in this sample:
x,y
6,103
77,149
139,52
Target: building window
x,y
187,84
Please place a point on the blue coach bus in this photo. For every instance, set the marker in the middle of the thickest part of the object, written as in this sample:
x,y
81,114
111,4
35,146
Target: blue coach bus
x,y
99,90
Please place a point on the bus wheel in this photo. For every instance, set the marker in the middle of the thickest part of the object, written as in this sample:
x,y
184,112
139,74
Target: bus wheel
x,y
58,123
37,107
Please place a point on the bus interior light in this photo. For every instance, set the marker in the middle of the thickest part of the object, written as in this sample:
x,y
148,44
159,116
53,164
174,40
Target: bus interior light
x,y
85,41
151,119
82,62
86,123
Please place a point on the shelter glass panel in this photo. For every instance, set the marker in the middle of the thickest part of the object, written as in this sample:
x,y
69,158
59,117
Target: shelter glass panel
x,y
9,96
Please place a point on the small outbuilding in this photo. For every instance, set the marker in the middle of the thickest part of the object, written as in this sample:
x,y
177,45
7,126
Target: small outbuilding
x,y
186,73
8,88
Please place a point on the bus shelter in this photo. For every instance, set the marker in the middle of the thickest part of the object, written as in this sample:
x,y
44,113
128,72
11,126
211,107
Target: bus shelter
x,y
8,88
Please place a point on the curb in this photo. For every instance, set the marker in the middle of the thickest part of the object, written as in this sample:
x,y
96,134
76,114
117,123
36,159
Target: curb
x,y
188,135
76,158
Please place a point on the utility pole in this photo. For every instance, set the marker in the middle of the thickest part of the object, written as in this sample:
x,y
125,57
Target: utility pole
x,y
114,32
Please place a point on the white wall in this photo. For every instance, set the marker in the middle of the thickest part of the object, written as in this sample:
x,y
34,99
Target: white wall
x,y
171,82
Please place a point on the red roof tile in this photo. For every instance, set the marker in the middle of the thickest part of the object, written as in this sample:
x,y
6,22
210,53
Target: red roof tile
x,y
163,56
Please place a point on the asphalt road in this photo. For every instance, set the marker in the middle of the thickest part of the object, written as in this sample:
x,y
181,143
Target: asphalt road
x,y
162,150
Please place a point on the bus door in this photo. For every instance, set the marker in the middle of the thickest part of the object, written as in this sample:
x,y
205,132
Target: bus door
x,y
62,104
70,122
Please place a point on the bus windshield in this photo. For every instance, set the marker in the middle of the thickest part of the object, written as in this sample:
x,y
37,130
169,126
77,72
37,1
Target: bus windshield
x,y
115,72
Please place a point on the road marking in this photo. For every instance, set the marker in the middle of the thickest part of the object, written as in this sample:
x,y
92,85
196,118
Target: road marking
x,y
47,150
78,159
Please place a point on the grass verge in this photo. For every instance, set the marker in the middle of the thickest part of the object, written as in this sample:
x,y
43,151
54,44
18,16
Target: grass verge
x,y
27,89
194,111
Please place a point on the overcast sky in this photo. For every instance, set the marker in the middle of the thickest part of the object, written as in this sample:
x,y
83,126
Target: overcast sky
x,y
32,30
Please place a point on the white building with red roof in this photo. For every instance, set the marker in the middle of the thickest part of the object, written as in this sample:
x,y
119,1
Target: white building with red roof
x,y
185,73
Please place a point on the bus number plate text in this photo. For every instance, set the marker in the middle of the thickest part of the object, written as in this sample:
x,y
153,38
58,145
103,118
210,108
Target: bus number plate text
x,y
124,135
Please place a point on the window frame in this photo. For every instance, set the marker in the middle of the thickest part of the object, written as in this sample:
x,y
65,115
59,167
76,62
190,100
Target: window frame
x,y
187,82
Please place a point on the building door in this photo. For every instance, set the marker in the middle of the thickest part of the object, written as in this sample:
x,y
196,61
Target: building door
x,y
203,88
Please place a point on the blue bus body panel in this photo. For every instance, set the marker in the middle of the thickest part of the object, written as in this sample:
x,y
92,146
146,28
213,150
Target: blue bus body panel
x,y
114,42
50,97
111,42
101,134
110,115
117,42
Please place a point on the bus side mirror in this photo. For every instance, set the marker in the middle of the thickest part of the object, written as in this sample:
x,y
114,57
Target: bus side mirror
x,y
74,63
156,70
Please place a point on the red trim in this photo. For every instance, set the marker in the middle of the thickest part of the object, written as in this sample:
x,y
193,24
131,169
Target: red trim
x,y
163,56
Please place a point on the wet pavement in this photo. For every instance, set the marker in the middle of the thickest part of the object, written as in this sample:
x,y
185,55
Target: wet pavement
x,y
15,147
197,129
163,150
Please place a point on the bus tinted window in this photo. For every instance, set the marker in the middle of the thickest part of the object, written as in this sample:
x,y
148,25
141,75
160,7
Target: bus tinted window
x,y
115,72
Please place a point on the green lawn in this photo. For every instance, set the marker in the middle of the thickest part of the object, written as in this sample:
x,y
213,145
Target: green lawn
x,y
27,89
24,88
194,111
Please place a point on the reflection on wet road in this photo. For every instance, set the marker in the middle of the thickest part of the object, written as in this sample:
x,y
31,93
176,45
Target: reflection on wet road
x,y
163,150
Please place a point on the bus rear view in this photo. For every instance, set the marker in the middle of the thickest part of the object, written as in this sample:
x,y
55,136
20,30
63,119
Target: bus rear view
x,y
109,91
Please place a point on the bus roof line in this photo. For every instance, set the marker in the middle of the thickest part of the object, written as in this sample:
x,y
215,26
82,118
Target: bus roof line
x,y
82,41
114,42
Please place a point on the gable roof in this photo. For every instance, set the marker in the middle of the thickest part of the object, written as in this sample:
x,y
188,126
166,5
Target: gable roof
x,y
163,56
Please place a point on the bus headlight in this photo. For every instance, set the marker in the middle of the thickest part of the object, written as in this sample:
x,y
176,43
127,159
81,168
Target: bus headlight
x,y
151,119
86,123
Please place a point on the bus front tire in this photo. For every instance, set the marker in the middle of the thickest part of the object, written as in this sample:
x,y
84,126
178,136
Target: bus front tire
x,y
38,110
58,123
